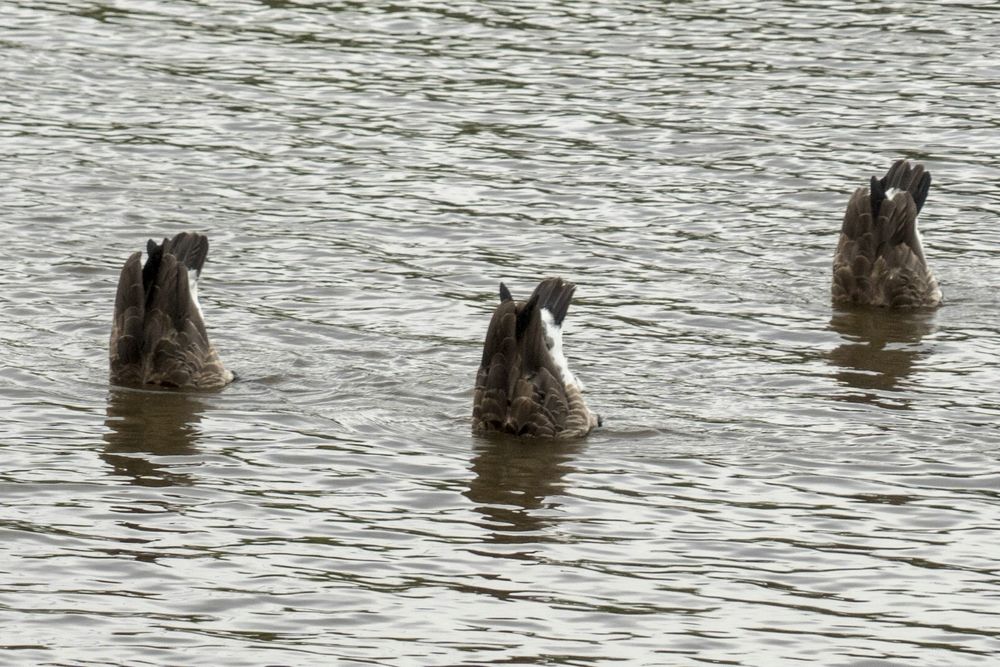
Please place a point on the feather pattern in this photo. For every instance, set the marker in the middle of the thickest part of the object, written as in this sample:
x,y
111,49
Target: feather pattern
x,y
880,259
158,335
523,387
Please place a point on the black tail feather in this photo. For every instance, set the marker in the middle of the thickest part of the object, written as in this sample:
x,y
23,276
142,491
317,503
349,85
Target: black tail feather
x,y
189,248
526,314
151,269
555,295
902,175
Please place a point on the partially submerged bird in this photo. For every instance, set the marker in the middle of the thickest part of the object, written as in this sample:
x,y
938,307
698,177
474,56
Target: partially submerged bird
x,y
158,336
880,259
524,386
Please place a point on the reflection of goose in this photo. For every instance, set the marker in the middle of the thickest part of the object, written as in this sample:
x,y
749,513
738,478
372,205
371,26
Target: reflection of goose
x,y
512,481
880,347
880,260
156,423
524,386
158,336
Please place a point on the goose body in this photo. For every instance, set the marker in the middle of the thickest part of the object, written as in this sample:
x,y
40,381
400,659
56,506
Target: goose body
x,y
880,259
158,337
524,386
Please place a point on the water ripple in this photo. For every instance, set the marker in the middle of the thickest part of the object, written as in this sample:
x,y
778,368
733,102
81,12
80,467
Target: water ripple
x,y
776,481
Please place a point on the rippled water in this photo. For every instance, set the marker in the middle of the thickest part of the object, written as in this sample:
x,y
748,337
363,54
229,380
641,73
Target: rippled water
x,y
775,483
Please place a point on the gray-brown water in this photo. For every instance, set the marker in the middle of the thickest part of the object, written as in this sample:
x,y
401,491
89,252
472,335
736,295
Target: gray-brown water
x,y
776,482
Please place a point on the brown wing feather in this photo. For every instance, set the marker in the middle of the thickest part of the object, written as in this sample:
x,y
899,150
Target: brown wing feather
x,y
126,330
176,345
579,418
493,380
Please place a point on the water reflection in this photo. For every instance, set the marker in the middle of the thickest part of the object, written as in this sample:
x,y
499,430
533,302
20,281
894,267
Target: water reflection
x,y
142,425
879,351
513,481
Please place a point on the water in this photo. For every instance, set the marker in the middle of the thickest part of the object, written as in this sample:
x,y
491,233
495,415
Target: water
x,y
775,483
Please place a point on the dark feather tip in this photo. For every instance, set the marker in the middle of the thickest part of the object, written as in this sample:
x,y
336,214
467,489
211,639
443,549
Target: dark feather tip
x,y
876,191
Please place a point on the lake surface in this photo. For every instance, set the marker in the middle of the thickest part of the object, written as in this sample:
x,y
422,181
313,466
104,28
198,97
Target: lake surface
x,y
776,482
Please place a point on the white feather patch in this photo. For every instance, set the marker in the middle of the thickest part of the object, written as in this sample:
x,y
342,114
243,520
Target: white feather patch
x,y
193,288
553,340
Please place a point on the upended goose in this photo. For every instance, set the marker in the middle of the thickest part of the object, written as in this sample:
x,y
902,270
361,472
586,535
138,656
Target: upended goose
x,y
880,260
158,337
524,386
